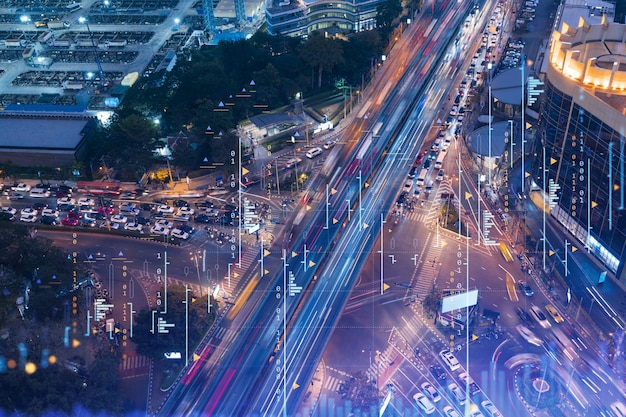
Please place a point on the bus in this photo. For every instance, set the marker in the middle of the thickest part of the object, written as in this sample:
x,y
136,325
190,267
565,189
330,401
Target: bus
x,y
103,188
439,161
506,253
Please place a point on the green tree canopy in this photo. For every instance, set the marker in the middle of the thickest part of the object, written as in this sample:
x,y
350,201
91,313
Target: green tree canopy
x,y
321,53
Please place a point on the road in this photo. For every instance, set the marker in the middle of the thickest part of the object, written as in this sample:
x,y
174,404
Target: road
x,y
249,355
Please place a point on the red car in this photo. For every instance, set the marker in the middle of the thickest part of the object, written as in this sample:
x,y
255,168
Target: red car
x,y
68,221
74,215
419,158
106,210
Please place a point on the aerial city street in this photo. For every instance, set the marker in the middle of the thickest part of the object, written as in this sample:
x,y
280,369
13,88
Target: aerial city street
x,y
236,208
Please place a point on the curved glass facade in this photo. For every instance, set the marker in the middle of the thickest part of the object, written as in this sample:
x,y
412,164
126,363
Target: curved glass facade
x,y
582,128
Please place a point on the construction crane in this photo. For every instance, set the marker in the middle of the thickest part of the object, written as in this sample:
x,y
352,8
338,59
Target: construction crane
x,y
103,82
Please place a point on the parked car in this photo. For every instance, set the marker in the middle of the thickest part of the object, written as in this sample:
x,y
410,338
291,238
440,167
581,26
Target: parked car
x,y
16,196
457,393
21,187
468,380
159,230
28,218
118,218
132,226
431,391
449,359
424,403
179,234
438,372
68,221
50,213
49,220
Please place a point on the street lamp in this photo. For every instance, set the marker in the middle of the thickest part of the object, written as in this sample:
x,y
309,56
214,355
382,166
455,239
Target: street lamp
x,y
489,69
295,160
103,82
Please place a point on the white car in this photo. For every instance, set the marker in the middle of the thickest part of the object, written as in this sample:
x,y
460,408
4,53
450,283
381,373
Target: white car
x,y
182,217
28,218
424,403
450,412
164,223
86,202
449,359
65,200
528,335
39,193
431,391
159,230
186,210
491,409
469,381
179,234
538,315
457,393
118,218
10,210
21,187
50,212
132,226
165,209
27,211
329,144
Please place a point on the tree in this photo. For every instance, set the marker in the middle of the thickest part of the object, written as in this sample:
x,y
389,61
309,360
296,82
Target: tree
x,y
432,301
387,12
156,345
321,53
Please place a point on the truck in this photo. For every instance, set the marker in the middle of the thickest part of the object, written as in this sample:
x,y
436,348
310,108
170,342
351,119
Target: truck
x,y
13,43
28,52
72,85
55,24
87,43
44,37
120,43
63,43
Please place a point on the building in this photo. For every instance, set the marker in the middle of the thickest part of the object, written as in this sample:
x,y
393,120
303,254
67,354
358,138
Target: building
x,y
582,128
300,17
45,135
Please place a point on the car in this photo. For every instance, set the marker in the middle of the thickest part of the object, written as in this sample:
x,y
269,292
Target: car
x,y
127,195
105,210
433,155
134,227
16,196
525,288
329,144
401,198
408,185
186,210
554,313
127,206
165,209
490,409
440,175
457,393
39,193
159,230
143,220
98,216
28,218
419,158
528,335
424,403
417,191
454,110
49,220
7,216
468,381
538,315
206,204
182,217
429,187
27,211
427,164
438,372
431,391
450,412
413,172
292,162
50,213
449,359
619,409
164,223
85,201
211,212
180,203
314,153
118,218
73,214
203,218
187,229
65,200
141,192
68,221
524,316
21,187
39,206
87,222
179,234
10,210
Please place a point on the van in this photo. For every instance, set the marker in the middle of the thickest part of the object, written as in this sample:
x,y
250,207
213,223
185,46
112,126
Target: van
x,y
421,178
314,152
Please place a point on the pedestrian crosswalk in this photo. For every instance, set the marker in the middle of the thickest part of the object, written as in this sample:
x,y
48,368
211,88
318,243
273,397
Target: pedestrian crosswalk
x,y
230,284
382,361
134,362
